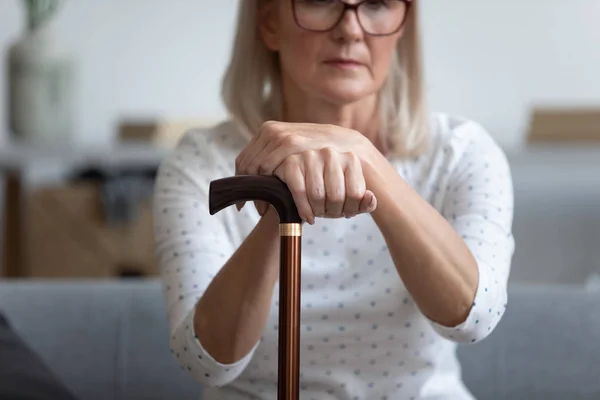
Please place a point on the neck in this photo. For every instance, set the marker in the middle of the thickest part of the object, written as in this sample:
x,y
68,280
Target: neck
x,y
361,116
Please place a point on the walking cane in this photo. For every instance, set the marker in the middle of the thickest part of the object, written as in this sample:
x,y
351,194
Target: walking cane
x,y
229,191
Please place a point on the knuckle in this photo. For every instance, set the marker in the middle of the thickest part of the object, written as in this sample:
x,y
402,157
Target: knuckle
x,y
353,158
268,125
310,156
297,191
289,140
317,193
329,153
270,128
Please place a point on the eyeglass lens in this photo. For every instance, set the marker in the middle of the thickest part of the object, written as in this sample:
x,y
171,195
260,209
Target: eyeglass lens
x,y
377,17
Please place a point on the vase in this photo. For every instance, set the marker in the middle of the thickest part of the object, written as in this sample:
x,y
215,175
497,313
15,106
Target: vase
x,y
41,88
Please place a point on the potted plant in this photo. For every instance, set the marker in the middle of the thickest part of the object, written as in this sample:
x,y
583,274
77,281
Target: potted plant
x,y
40,75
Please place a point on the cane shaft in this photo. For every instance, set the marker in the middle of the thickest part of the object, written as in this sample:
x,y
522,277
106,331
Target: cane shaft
x,y
225,192
289,312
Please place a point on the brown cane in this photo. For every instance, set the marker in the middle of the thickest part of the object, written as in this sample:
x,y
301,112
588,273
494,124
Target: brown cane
x,y
229,191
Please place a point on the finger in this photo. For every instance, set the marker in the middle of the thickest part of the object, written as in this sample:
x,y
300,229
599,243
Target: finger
x,y
368,203
261,207
255,165
242,155
279,150
248,164
275,137
335,185
315,185
256,145
355,185
292,172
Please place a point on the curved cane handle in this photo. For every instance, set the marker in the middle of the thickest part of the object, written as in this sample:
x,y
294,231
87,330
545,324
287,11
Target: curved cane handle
x,y
225,192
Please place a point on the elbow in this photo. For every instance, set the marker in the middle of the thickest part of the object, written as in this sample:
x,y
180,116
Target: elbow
x,y
485,312
479,324
193,362
196,362
212,380
481,329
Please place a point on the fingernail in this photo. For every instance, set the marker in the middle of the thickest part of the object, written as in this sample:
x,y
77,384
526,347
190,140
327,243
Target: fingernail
x,y
372,203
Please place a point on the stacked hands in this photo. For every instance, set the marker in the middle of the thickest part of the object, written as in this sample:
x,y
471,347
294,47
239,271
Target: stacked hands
x,y
321,165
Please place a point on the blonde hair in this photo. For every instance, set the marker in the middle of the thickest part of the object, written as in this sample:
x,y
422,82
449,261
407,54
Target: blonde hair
x,y
251,88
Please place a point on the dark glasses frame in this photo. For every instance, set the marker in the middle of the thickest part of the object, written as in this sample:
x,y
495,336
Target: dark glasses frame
x,y
354,7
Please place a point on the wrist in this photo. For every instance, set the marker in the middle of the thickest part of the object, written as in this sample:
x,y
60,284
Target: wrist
x,y
387,185
373,165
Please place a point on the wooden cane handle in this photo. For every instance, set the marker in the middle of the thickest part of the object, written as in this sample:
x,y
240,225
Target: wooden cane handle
x,y
225,192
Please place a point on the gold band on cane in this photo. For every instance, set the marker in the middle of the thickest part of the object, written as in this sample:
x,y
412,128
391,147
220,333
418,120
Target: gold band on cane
x,y
290,229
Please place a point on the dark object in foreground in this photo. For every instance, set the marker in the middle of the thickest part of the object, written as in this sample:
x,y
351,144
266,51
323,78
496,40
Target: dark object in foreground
x,y
23,374
229,191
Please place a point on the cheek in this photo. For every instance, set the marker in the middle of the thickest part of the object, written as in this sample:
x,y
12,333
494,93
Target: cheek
x,y
299,52
382,54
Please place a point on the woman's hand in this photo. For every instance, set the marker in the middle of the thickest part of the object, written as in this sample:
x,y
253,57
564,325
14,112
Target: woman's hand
x,y
321,165
325,183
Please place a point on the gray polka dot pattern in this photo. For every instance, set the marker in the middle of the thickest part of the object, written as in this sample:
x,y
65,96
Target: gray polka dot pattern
x,y
362,335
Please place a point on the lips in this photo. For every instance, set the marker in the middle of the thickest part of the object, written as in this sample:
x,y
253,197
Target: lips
x,y
344,61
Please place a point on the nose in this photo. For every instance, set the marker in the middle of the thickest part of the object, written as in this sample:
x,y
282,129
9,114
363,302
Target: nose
x,y
349,27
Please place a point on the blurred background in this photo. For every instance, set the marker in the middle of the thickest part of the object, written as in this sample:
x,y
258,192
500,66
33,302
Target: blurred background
x,y
126,78
144,70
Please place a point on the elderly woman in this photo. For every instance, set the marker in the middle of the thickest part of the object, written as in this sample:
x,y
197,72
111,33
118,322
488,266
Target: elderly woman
x,y
327,95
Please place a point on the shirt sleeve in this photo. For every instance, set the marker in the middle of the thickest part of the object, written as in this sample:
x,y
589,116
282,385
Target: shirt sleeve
x,y
479,206
191,246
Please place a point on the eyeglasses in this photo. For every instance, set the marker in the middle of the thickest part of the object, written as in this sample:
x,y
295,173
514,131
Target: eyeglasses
x,y
376,17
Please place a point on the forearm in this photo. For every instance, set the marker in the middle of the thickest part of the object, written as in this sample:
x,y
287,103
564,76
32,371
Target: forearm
x,y
432,260
231,314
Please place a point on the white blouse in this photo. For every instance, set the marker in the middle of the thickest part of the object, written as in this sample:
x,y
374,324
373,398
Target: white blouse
x,y
362,335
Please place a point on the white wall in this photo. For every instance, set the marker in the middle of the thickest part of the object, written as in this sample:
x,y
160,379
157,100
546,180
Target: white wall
x,y
494,60
489,60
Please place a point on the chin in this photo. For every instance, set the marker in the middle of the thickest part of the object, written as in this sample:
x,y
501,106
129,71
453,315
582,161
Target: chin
x,y
343,92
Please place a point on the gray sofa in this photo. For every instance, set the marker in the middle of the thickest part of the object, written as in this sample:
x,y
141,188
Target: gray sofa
x,y
109,340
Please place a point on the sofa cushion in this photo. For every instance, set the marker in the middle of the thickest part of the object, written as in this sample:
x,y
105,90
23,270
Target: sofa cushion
x,y
110,340
104,339
23,374
545,348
